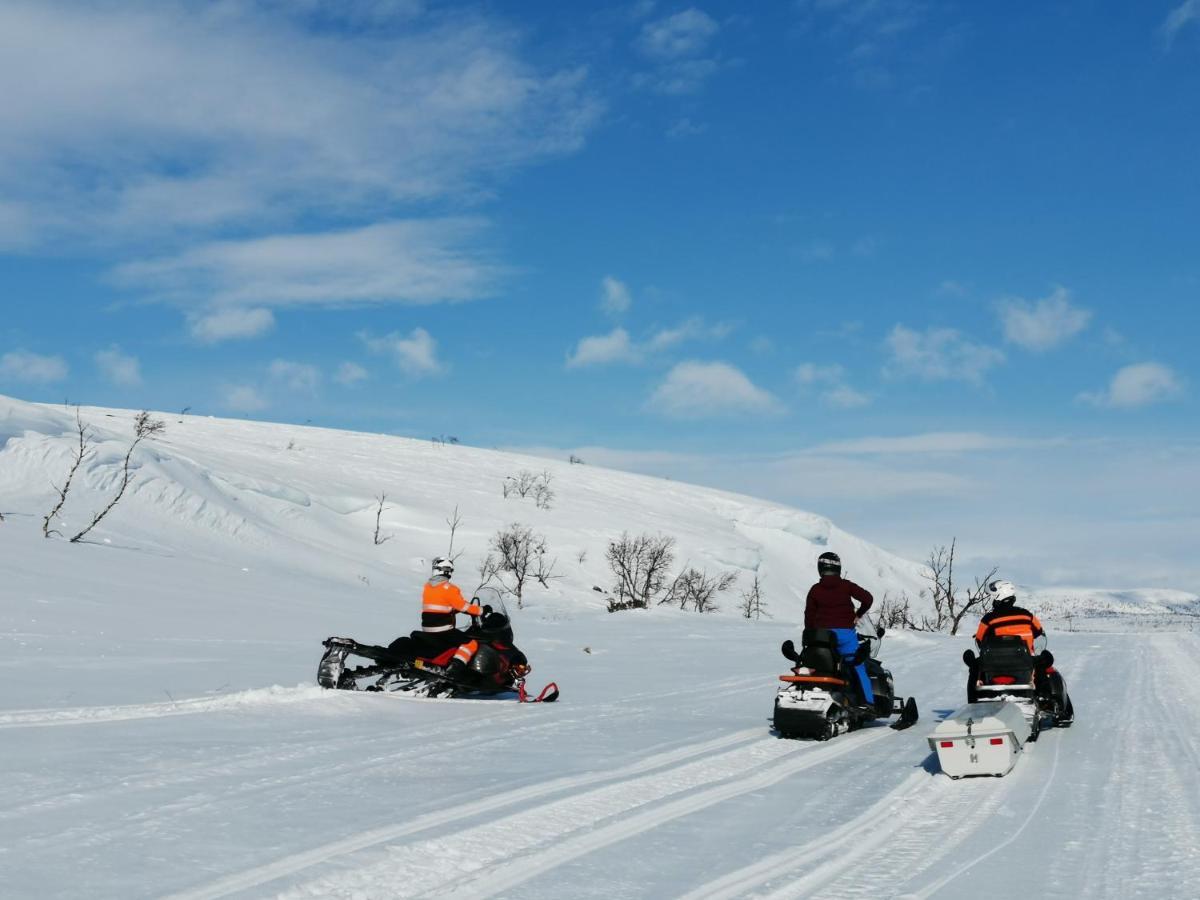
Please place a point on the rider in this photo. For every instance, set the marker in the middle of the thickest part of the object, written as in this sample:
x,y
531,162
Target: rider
x,y
440,602
830,605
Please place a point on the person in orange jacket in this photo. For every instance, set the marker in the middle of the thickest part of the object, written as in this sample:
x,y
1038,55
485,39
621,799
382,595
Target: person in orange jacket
x,y
441,601
1006,618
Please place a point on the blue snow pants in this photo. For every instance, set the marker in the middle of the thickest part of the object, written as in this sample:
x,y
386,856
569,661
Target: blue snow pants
x,y
847,639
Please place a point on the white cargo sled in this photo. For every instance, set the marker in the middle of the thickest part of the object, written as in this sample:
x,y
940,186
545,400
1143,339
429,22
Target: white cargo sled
x,y
984,738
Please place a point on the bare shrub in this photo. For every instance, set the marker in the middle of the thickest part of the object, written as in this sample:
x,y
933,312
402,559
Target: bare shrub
x,y
893,612
454,520
143,427
574,460
753,606
697,589
380,539
80,452
639,565
949,607
530,484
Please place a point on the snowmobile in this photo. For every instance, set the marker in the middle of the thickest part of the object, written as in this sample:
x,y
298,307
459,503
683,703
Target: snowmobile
x,y
1012,695
412,666
821,697
1005,670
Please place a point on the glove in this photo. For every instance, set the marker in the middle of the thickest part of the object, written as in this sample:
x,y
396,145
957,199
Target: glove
x,y
487,610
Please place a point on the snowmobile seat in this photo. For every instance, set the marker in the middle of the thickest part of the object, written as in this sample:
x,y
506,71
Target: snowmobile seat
x,y
1006,657
820,650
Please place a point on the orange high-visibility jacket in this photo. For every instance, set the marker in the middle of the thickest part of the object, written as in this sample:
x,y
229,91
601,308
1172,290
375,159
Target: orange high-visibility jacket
x,y
1015,621
440,601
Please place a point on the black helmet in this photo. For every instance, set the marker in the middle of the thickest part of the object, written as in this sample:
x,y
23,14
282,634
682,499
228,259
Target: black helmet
x,y
829,564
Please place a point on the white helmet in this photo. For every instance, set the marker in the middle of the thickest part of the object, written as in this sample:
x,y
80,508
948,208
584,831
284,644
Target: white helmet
x,y
443,566
1002,592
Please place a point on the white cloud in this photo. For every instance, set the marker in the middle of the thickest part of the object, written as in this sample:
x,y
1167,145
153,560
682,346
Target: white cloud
x,y
244,398
21,365
676,46
350,373
1142,384
415,354
689,330
231,324
1045,323
938,354
119,368
1181,16
149,118
683,34
934,443
413,261
298,377
697,390
615,298
831,380
603,349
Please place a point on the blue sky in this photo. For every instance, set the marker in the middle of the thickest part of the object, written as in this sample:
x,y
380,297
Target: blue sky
x,y
929,268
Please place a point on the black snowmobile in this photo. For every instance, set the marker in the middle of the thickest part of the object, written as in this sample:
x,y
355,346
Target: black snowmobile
x,y
1005,670
413,666
822,697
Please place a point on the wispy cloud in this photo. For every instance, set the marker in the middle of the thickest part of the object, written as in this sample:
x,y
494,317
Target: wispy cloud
x,y
294,376
243,398
149,118
119,368
934,443
1044,323
702,390
414,353
21,365
938,354
1179,18
677,46
1141,384
868,30
830,382
618,347
413,261
235,323
350,373
614,296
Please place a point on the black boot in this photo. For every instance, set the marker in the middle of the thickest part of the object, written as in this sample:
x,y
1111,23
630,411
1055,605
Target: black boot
x,y
456,670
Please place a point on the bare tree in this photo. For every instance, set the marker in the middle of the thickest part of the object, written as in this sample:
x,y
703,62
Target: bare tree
x,y
489,571
753,606
143,427
380,539
518,551
639,565
574,460
696,588
80,452
949,608
454,520
894,612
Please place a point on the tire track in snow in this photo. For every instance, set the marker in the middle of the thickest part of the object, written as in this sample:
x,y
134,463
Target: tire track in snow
x,y
289,865
534,841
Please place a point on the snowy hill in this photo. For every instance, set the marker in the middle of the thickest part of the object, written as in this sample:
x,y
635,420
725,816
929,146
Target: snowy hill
x,y
162,735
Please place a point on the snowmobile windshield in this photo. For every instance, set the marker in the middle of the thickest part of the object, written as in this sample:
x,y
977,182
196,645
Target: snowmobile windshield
x,y
868,632
490,596
1039,644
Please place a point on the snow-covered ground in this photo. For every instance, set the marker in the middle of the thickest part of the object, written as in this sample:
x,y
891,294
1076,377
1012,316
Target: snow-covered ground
x,y
160,733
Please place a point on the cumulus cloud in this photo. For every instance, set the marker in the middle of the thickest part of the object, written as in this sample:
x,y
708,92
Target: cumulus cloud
x,y
1043,324
1141,384
614,296
414,261
350,373
938,354
698,390
117,367
603,349
234,323
830,382
297,377
689,330
415,353
21,365
158,118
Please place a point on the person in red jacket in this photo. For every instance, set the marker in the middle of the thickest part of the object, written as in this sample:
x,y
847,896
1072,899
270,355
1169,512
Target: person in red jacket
x,y
830,605
441,601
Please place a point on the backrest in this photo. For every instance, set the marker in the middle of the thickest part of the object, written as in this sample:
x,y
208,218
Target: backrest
x,y
1005,655
820,650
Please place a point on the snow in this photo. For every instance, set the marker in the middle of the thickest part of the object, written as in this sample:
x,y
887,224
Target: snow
x,y
162,735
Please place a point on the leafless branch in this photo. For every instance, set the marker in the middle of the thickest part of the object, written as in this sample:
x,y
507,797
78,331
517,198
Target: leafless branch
x,y
143,427
380,539
80,452
639,565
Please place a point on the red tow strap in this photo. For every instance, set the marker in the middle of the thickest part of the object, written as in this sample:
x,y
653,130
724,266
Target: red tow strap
x,y
548,695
